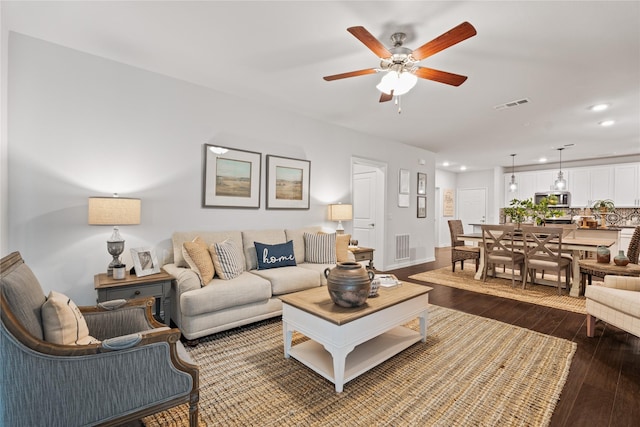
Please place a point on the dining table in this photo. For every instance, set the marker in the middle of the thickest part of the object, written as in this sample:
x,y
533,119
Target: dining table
x,y
574,244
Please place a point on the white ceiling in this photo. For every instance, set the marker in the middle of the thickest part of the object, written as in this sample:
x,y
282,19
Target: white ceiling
x,y
562,55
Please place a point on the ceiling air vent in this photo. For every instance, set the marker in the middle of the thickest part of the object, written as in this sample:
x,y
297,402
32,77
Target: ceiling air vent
x,y
511,104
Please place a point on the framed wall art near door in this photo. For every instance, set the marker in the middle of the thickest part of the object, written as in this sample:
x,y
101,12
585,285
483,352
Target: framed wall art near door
x,y
287,183
422,207
231,178
422,183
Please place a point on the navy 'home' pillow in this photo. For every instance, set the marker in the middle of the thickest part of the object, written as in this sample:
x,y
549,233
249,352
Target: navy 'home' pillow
x,y
272,256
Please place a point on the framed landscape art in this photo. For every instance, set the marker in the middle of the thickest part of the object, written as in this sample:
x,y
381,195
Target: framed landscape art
x,y
287,183
231,177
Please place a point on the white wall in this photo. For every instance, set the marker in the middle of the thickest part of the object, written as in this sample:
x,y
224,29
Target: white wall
x,y
81,125
445,180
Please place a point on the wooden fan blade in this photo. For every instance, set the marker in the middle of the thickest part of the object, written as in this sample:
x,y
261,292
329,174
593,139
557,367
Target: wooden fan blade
x,y
448,39
440,76
350,74
370,41
386,97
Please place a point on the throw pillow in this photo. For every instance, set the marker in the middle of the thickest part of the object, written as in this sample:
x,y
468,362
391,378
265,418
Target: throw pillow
x,y
63,323
342,247
273,256
320,248
199,259
227,259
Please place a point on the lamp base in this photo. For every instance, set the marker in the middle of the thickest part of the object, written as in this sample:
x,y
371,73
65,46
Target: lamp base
x,y
340,228
115,248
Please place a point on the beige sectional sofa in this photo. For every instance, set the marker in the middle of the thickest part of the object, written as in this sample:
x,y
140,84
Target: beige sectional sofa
x,y
201,309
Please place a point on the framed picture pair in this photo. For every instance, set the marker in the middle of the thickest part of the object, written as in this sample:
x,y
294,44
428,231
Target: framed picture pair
x,y
232,179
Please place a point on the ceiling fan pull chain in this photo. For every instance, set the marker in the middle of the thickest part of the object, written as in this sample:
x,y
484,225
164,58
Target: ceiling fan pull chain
x,y
398,103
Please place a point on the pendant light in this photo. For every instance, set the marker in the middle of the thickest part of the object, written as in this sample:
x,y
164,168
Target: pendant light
x,y
560,184
513,185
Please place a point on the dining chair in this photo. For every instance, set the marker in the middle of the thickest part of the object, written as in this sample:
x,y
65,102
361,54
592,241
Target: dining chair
x,y
590,269
544,252
459,251
568,230
499,249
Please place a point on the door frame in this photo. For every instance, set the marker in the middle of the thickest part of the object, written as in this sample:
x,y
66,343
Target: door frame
x,y
381,205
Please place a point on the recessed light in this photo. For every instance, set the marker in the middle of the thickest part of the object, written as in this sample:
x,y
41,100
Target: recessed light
x,y
599,107
463,168
445,164
606,123
542,159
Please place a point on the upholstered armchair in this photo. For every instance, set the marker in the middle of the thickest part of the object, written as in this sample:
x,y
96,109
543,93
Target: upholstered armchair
x,y
128,367
616,303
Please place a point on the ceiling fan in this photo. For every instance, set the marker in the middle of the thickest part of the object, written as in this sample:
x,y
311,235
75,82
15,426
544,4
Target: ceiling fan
x,y
400,63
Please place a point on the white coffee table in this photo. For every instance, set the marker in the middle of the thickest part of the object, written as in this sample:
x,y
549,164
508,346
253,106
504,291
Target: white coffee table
x,y
346,342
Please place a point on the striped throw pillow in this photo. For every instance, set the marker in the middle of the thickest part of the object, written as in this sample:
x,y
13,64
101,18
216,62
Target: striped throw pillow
x,y
320,248
227,259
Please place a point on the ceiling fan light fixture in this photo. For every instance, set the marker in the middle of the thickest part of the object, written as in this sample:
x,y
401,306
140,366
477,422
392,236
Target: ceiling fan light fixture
x,y
398,82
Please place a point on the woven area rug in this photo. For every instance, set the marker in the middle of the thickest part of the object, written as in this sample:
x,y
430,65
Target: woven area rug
x,y
471,371
535,294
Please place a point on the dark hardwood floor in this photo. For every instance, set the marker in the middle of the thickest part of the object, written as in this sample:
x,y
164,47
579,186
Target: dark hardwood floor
x,y
603,386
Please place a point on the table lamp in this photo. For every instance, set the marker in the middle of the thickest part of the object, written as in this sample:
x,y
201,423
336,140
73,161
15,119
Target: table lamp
x,y
114,211
340,212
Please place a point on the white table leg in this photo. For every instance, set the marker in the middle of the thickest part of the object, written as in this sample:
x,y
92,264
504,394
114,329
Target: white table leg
x,y
478,275
287,335
339,356
424,322
575,280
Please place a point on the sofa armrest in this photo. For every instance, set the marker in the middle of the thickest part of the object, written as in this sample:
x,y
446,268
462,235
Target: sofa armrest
x,y
622,282
185,278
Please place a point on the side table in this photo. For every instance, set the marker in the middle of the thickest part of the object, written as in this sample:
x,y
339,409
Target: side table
x,y
363,254
591,267
155,285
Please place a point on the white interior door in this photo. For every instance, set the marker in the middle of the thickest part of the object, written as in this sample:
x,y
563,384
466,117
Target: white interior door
x,y
369,206
472,207
364,208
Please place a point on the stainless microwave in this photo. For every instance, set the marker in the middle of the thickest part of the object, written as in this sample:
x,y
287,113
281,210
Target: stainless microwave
x,y
564,198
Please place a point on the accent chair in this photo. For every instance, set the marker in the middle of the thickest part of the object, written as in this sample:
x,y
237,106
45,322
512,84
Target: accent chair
x,y
129,367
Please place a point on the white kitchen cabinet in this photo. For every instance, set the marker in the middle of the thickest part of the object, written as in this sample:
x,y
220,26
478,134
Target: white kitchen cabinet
x,y
625,239
590,184
627,185
529,183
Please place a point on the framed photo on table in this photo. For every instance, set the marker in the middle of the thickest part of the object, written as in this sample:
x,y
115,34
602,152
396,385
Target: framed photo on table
x,y
287,183
231,178
145,261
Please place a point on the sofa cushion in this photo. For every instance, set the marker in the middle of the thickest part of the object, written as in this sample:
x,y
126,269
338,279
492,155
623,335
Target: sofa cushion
x,y
342,247
289,279
210,237
320,248
245,289
318,268
270,237
297,236
197,255
274,256
227,259
63,323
